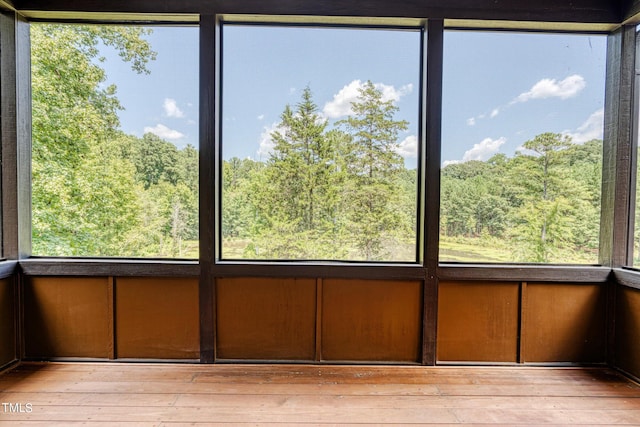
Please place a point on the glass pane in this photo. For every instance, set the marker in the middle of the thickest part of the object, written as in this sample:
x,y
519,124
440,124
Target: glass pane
x,y
319,143
522,147
115,137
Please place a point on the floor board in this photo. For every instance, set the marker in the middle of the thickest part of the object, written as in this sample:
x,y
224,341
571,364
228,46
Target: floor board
x,y
122,394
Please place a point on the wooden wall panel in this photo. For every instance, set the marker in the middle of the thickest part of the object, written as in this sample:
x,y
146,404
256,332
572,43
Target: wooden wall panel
x,y
7,322
627,332
564,323
478,322
157,318
68,317
266,318
371,320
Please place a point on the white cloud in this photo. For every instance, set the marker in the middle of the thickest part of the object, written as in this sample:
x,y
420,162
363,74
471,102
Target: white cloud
x,y
471,121
260,117
480,151
266,143
390,93
484,149
341,104
164,132
408,147
592,128
450,162
551,88
494,112
171,108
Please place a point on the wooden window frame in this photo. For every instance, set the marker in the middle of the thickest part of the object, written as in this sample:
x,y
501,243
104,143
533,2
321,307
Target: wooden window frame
x,y
580,16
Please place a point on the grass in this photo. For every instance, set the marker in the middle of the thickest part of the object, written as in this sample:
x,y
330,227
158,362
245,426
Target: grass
x,y
493,250
457,249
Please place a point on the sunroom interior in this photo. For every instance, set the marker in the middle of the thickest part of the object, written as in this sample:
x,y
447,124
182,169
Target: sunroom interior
x,y
432,311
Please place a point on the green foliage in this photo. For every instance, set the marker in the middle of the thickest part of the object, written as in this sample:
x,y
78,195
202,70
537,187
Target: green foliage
x,y
324,194
96,191
373,165
297,195
542,205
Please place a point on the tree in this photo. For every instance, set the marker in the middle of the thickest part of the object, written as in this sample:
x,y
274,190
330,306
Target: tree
x,y
84,196
297,199
546,212
156,160
373,164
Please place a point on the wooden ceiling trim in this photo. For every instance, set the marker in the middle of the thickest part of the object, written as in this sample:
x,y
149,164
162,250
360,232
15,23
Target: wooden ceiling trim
x,y
583,11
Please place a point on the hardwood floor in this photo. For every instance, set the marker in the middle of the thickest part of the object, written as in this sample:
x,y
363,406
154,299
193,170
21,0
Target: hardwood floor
x,y
101,394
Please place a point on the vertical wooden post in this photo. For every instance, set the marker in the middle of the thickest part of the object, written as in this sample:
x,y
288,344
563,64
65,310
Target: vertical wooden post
x,y
208,185
15,122
616,219
618,188
318,319
431,183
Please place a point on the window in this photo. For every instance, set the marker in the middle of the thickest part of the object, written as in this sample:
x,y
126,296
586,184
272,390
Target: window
x,y
522,147
635,213
320,131
115,137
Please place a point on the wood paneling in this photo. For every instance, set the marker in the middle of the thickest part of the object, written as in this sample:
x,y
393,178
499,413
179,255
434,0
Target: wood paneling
x,y
564,323
7,322
371,320
157,318
627,332
266,318
478,322
68,317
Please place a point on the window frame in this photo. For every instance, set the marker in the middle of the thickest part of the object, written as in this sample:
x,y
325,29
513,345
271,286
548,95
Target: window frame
x,y
421,29
527,30
83,260
430,265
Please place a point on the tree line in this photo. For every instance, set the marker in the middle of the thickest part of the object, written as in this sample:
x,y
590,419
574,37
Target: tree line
x,y
326,192
95,190
541,205
336,191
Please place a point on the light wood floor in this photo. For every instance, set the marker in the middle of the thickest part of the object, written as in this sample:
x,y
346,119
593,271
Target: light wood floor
x,y
100,394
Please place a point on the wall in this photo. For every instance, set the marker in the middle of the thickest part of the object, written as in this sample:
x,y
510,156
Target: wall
x,y
519,322
627,330
325,320
111,318
285,319
7,321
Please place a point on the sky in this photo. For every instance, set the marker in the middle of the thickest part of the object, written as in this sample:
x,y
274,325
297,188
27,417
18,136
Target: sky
x,y
266,68
500,89
165,101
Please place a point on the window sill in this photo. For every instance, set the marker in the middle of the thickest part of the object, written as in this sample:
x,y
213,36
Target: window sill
x,y
627,277
524,272
109,267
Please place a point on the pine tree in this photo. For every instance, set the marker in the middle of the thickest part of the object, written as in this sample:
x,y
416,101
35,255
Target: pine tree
x,y
373,166
297,200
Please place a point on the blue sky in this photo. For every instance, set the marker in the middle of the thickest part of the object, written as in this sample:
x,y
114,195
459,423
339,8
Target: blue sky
x,y
266,68
164,102
500,89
